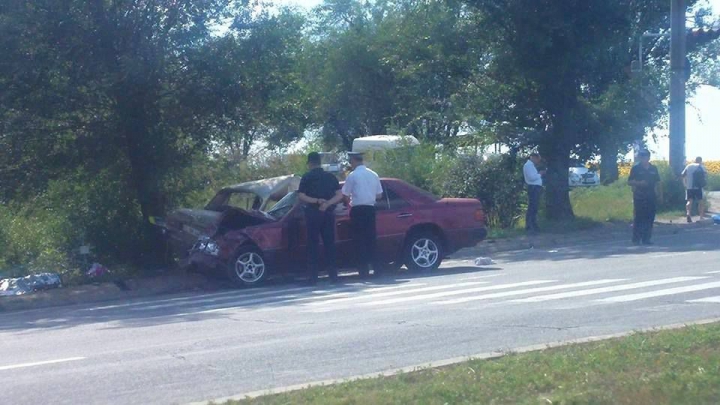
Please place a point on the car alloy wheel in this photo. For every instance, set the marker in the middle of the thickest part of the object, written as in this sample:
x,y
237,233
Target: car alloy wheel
x,y
248,268
424,252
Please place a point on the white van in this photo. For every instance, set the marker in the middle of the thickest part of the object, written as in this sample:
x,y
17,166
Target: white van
x,y
369,146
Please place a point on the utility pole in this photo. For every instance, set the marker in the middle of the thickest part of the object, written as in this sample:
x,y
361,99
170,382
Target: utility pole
x,y
678,41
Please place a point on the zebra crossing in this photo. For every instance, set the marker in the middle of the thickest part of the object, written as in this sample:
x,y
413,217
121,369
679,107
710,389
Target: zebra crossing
x,y
447,292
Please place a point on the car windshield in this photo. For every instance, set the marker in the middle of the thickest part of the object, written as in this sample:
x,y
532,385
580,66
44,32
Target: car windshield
x,y
283,206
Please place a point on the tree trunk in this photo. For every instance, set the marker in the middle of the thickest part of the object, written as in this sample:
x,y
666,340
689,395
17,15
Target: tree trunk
x,y
609,172
557,190
556,151
134,128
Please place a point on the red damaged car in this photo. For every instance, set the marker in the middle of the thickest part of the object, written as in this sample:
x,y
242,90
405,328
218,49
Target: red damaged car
x,y
257,230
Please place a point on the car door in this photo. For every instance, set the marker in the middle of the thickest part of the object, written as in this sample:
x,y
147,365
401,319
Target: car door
x,y
343,237
394,218
297,239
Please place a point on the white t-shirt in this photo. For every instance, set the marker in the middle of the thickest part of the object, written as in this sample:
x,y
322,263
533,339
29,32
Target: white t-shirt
x,y
532,176
688,174
362,186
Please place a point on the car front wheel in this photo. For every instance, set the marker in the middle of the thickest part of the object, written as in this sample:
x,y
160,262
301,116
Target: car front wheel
x,y
424,251
248,268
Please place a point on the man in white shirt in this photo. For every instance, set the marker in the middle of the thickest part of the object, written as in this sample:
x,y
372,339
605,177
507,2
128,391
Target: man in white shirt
x,y
363,188
534,181
694,176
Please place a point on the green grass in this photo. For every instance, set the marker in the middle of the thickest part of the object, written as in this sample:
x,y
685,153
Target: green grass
x,y
603,203
668,367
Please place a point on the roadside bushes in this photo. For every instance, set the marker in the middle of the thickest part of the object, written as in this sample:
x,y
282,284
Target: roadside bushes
x,y
419,165
497,182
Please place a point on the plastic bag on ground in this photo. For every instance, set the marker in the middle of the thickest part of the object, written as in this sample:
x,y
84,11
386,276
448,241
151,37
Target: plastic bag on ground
x,y
716,219
29,284
484,261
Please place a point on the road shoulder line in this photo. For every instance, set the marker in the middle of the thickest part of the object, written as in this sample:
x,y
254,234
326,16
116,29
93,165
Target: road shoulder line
x,y
452,361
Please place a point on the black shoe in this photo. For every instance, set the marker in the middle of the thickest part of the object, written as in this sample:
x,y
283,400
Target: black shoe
x,y
689,219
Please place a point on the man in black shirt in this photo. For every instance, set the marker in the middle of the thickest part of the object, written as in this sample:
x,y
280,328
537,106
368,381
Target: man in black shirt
x,y
644,179
317,187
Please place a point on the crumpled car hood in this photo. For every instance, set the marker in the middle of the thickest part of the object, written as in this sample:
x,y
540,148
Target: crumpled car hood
x,y
275,187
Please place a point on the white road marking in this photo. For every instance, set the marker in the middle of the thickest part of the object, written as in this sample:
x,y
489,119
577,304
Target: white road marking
x,y
242,293
479,277
455,292
40,363
708,300
713,272
602,290
661,293
528,291
391,293
270,296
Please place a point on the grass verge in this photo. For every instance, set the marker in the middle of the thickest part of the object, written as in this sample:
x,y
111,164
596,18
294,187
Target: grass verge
x,y
668,367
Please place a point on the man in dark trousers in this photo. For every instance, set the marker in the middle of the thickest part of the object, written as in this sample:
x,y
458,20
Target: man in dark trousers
x,y
316,188
363,187
534,182
644,179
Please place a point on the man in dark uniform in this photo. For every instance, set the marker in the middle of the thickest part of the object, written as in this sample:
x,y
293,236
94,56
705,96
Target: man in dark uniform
x,y
644,179
316,188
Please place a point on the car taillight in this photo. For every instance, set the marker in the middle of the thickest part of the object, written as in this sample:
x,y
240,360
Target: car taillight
x,y
479,215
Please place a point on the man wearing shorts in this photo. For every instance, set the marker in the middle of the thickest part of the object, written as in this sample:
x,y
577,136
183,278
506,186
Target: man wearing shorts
x,y
693,176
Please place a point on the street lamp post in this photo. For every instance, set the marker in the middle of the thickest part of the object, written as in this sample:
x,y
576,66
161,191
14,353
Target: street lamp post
x,y
678,42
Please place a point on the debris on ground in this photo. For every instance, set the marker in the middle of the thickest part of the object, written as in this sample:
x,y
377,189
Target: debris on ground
x,y
484,261
716,219
29,284
97,270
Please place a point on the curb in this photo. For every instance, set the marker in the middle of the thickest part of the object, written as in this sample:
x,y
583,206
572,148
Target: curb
x,y
581,238
451,361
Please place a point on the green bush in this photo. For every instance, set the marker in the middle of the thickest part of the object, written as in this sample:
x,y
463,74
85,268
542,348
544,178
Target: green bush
x,y
496,182
713,182
33,239
419,165
673,189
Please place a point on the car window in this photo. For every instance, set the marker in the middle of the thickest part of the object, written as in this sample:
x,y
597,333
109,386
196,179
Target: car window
x,y
395,202
423,192
245,201
282,207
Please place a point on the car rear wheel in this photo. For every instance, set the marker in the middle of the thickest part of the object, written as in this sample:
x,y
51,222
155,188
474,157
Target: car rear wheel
x,y
424,251
248,268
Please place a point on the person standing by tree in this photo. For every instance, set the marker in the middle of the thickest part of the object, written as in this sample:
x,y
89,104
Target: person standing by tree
x,y
644,179
316,188
363,187
534,181
694,177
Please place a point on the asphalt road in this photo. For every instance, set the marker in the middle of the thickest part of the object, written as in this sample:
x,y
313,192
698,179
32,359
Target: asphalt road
x,y
187,348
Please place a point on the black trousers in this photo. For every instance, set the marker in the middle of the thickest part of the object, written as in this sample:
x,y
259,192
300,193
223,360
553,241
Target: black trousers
x,y
320,225
362,219
643,219
534,193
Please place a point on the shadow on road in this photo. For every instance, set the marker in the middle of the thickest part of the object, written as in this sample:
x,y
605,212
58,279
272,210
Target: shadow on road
x,y
217,305
700,240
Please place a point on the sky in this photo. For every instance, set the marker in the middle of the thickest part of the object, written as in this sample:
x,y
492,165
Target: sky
x,y
702,111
